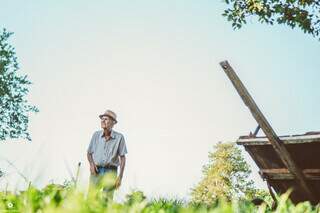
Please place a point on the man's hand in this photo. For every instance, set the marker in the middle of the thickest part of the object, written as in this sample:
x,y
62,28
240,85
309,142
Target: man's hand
x,y
93,169
118,182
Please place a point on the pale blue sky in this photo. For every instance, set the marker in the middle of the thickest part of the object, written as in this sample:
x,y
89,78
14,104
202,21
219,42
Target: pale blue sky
x,y
155,63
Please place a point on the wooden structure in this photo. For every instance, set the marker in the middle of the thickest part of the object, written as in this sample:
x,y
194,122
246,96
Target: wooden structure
x,y
305,152
284,162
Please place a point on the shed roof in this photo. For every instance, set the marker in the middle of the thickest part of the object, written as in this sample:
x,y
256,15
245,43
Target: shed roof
x,y
287,139
304,150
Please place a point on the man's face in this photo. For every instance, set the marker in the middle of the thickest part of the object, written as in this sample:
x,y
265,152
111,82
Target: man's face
x,y
106,122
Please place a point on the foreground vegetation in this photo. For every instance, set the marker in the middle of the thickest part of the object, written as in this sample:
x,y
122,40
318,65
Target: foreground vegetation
x,y
67,198
225,187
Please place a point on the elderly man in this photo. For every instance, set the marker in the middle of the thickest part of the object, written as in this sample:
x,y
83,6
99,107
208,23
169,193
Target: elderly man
x,y
106,152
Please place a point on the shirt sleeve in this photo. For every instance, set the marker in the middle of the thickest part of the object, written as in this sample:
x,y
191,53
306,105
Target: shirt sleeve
x,y
90,148
122,150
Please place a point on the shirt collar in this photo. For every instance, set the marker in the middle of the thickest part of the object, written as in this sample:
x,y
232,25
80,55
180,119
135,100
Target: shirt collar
x,y
113,135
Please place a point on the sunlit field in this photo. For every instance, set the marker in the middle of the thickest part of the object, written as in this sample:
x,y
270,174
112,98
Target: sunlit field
x,y
69,198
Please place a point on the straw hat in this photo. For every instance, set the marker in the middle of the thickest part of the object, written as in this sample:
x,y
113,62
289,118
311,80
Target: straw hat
x,y
110,114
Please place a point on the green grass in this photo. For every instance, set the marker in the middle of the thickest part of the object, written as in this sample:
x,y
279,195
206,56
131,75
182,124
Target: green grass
x,y
67,198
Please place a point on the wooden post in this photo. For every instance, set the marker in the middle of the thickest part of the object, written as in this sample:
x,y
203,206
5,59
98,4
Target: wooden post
x,y
275,202
269,132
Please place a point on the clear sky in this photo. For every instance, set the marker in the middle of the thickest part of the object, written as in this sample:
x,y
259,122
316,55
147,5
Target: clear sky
x,y
156,64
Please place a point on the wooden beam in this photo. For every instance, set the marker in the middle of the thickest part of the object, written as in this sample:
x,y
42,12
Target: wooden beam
x,y
275,201
284,174
262,141
269,132
287,139
285,170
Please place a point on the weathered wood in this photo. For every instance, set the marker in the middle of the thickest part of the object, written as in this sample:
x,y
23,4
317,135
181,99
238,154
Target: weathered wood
x,y
268,130
286,140
285,170
281,170
284,174
275,201
256,131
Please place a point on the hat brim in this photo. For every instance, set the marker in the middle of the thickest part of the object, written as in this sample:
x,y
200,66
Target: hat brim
x,y
100,116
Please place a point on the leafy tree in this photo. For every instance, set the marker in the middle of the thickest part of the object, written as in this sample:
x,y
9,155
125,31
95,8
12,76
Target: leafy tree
x,y
226,176
14,109
304,14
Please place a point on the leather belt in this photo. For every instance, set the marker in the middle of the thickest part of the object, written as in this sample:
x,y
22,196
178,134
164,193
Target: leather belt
x,y
108,167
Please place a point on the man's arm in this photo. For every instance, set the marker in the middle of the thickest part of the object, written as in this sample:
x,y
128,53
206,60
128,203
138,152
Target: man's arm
x,y
122,165
90,159
93,167
122,151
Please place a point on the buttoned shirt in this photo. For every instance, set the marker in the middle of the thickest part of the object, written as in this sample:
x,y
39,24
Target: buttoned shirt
x,y
106,152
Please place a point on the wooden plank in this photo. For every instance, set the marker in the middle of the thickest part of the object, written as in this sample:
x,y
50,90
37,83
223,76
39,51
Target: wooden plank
x,y
281,170
286,140
275,201
257,142
268,130
284,174
285,170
